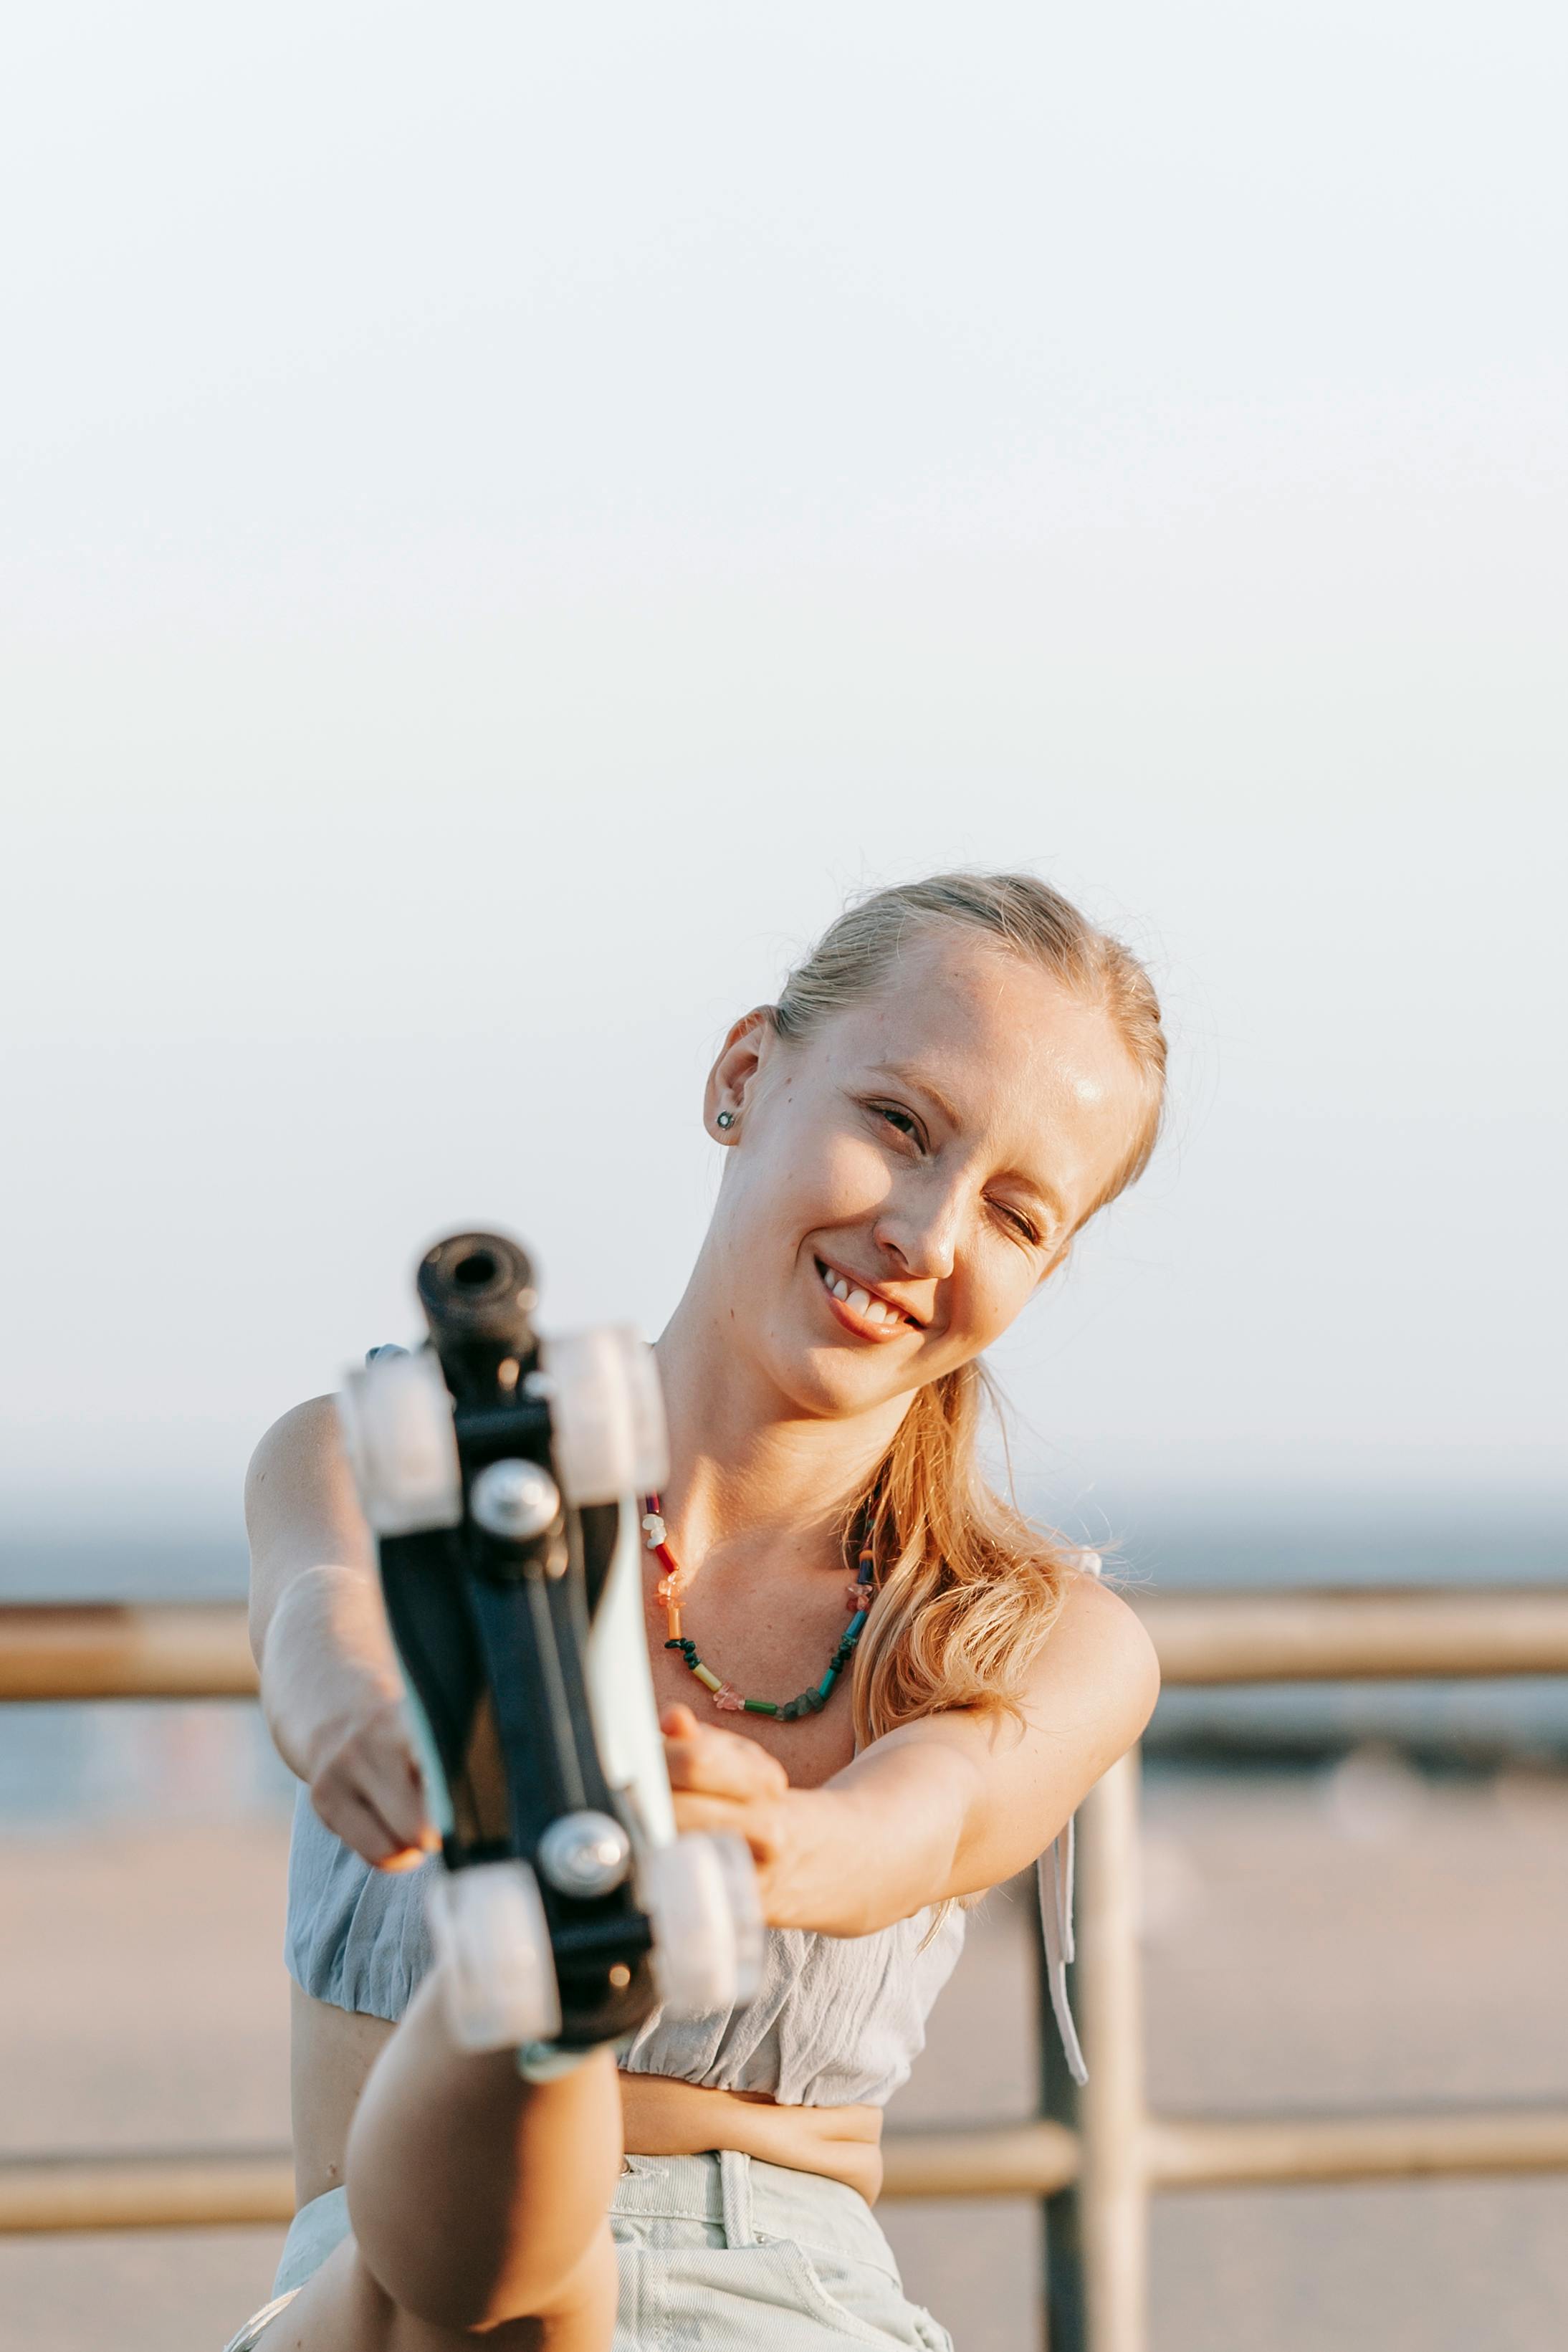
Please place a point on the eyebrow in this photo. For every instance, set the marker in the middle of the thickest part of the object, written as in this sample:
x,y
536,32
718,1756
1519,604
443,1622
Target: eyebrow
x,y
907,1075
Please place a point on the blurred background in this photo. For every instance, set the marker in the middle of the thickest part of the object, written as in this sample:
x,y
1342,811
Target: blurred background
x,y
511,519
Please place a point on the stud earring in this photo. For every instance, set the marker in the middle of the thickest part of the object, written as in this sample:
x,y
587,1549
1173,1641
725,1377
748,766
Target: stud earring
x,y
725,1118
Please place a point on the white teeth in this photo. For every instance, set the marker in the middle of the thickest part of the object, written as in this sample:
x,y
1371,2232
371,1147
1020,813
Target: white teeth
x,y
860,1302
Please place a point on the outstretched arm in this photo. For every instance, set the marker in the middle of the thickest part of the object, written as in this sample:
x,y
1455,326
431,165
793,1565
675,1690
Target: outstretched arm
x,y
331,1688
940,1808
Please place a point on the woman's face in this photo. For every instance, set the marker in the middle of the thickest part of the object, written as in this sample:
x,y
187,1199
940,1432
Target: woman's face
x,y
900,1182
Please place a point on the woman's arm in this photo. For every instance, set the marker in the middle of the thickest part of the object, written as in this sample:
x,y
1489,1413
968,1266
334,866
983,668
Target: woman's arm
x,y
331,1689
945,1807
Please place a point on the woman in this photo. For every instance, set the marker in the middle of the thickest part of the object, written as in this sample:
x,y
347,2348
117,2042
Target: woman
x,y
960,1075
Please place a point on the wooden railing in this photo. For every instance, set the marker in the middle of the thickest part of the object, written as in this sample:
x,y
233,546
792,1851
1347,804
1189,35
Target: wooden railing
x,y
1094,2157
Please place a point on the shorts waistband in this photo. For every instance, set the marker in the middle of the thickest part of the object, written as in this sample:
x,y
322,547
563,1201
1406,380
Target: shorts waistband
x,y
752,2202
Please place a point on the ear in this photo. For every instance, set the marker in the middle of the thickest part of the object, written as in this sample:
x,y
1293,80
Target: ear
x,y
733,1077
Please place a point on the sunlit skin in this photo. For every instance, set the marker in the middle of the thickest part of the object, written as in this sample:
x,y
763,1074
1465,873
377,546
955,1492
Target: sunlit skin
x,y
941,1142
933,1147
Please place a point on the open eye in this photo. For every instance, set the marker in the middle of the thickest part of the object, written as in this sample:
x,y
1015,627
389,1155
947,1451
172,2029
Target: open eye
x,y
903,1122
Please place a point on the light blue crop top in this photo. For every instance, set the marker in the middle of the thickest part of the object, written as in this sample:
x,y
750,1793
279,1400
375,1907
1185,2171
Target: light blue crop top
x,y
839,2020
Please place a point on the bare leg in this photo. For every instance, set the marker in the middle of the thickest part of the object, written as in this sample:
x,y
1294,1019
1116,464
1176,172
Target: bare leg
x,y
479,2202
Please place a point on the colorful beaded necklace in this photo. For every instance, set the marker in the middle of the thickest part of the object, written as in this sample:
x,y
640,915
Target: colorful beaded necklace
x,y
858,1599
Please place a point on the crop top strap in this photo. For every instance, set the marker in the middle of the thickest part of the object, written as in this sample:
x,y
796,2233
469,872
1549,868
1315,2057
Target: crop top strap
x,y
1054,1872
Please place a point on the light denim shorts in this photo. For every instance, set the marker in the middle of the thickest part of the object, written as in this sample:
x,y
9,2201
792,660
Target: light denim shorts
x,y
720,2251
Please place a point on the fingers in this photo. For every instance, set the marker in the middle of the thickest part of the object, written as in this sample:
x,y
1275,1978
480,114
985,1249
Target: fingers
x,y
361,1829
409,1859
718,1763
384,1773
759,1823
369,1793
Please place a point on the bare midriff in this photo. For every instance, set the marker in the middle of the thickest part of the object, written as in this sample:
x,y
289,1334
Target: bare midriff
x,y
665,2117
334,2049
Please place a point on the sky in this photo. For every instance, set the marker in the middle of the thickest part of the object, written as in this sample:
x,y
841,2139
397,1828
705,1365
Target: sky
x,y
519,514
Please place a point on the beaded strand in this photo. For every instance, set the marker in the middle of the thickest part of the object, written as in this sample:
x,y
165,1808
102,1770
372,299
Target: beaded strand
x,y
858,1599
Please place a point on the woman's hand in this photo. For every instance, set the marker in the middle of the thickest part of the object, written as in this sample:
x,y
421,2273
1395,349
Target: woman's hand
x,y
365,1784
723,1781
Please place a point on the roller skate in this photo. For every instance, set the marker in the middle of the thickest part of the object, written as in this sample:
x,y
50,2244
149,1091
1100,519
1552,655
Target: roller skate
x,y
500,1474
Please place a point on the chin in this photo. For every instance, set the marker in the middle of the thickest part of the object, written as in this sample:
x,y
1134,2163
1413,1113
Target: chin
x,y
829,1383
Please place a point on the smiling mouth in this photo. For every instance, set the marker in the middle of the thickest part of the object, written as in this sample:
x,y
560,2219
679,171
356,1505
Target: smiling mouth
x,y
862,1309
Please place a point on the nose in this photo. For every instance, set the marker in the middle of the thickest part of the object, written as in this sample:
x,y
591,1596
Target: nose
x,y
920,1226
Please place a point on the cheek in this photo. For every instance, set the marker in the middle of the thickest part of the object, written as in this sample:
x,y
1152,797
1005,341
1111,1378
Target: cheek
x,y
855,1178
1000,1285
808,1179
828,1177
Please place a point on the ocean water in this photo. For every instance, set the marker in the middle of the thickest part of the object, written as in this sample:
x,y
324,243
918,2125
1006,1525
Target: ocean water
x,y
1254,1541
131,1758
62,1764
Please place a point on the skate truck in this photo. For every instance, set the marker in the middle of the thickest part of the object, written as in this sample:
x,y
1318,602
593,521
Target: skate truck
x,y
500,1474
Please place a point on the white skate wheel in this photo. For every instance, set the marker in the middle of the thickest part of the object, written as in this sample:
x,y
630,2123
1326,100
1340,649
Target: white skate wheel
x,y
607,1414
396,1416
686,1893
493,1940
749,1927
651,1434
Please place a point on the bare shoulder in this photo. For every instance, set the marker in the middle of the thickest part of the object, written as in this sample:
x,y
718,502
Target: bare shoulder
x,y
304,1433
1100,1651
1096,1610
298,1476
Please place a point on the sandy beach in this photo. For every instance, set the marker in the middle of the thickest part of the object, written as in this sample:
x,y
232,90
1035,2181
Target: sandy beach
x,y
1335,1940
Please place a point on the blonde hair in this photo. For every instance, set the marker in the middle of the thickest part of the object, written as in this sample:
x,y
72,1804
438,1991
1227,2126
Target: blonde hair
x,y
968,1590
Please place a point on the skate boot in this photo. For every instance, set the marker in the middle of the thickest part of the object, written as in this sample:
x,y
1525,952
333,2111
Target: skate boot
x,y
500,1474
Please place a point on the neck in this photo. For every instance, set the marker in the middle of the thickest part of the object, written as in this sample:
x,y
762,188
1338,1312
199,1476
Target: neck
x,y
747,1467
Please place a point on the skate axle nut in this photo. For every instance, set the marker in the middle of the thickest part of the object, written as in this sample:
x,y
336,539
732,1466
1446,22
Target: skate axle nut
x,y
514,1500
584,1853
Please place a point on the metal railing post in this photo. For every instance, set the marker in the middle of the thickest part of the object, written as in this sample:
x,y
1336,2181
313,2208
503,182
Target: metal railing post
x,y
1113,2183
1097,2227
1061,2251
